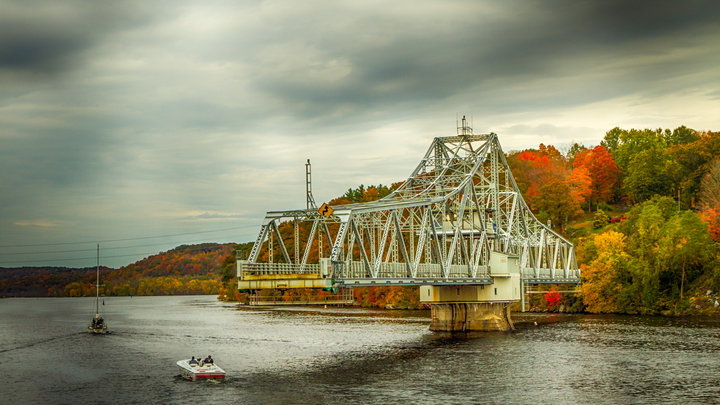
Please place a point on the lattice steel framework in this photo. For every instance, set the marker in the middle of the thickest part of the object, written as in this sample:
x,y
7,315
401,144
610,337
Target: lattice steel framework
x,y
439,227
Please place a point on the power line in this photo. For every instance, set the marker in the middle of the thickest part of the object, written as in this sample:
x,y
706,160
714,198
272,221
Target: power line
x,y
128,239
79,258
83,258
93,249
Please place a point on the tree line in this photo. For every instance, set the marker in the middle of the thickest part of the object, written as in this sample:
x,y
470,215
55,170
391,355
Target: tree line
x,y
642,208
186,269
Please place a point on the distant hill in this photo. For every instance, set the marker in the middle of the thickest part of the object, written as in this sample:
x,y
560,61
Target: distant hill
x,y
187,269
38,281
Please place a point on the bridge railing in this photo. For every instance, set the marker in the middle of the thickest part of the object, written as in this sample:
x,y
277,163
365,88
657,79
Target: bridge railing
x,y
545,275
399,270
258,269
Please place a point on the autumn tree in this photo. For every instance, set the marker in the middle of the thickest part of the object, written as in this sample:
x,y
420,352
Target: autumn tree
x,y
580,184
709,199
662,162
688,162
625,144
574,150
647,175
555,203
669,250
363,194
711,216
551,152
601,287
683,252
531,169
644,227
681,135
709,195
600,219
552,190
552,297
602,172
624,275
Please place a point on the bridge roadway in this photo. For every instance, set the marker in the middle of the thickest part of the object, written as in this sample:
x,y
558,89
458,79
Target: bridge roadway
x,y
261,275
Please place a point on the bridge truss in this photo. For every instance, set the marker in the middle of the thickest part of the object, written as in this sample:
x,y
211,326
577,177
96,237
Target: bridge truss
x,y
438,228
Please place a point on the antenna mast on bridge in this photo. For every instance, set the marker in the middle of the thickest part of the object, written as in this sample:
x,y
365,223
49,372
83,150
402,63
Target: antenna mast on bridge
x,y
465,129
308,186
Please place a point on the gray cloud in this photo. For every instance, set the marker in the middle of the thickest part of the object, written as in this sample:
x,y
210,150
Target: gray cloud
x,y
42,37
127,119
418,56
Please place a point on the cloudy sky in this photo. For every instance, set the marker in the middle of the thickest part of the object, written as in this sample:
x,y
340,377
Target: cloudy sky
x,y
145,125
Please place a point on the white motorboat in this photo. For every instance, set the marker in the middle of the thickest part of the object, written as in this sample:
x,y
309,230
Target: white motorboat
x,y
200,370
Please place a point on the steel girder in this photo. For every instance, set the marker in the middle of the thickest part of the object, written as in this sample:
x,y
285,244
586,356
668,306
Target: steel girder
x,y
460,203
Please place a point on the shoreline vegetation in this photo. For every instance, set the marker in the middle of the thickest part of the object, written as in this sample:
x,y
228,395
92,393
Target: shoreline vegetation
x,y
185,270
642,208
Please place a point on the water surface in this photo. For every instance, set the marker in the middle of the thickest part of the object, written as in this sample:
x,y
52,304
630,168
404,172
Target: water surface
x,y
345,355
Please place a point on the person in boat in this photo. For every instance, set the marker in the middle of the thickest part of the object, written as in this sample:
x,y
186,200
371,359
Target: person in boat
x,y
193,361
208,360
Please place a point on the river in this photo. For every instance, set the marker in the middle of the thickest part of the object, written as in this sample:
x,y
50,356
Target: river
x,y
345,355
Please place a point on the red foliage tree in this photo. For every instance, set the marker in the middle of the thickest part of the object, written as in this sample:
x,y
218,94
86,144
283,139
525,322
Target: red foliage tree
x,y
552,297
712,217
531,170
552,190
602,169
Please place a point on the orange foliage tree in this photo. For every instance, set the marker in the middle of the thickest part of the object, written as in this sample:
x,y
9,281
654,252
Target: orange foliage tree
x,y
388,297
580,184
552,189
602,172
709,196
712,217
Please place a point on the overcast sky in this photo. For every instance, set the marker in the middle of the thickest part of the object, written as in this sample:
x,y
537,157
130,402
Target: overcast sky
x,y
125,121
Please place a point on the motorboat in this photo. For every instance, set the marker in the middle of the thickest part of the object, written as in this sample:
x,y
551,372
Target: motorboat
x,y
199,370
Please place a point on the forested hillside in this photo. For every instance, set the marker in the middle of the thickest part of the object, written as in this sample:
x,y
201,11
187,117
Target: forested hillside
x,y
187,269
665,256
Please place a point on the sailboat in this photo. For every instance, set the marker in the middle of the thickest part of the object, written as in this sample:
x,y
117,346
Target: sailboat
x,y
97,325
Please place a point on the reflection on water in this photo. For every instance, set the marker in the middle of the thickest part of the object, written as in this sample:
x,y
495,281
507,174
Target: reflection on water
x,y
346,355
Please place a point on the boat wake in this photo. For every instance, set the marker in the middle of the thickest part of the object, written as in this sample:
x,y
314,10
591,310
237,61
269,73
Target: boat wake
x,y
181,378
39,342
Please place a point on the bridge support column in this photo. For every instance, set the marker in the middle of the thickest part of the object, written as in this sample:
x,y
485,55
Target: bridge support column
x,y
470,316
485,307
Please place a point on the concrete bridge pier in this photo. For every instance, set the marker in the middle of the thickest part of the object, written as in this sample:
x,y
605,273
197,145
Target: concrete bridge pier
x,y
480,307
470,316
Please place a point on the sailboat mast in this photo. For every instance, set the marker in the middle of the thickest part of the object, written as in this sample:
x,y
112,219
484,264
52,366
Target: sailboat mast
x,y
97,282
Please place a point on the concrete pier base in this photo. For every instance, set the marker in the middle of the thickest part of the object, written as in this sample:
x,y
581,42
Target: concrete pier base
x,y
470,316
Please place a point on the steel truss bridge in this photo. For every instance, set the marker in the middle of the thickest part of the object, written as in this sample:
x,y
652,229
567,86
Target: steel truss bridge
x,y
438,228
